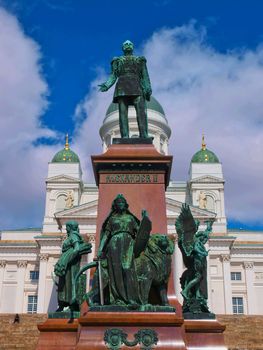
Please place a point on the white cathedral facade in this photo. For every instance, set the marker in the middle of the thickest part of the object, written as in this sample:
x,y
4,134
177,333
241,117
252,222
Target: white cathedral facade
x,y
28,256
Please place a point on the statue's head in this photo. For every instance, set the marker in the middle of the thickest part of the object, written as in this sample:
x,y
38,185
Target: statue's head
x,y
119,204
72,226
127,47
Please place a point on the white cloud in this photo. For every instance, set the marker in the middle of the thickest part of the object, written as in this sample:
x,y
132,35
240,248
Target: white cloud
x,y
23,99
202,90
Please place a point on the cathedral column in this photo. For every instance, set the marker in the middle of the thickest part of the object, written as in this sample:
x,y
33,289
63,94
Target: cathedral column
x,y
209,296
42,283
90,258
2,271
178,270
227,283
249,273
21,274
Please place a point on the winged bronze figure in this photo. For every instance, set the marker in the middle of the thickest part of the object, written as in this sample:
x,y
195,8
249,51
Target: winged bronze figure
x,y
194,279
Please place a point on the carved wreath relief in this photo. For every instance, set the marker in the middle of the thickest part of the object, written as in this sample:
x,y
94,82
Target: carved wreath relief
x,y
114,339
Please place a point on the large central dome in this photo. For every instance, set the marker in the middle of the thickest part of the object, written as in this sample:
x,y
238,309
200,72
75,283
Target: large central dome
x,y
158,127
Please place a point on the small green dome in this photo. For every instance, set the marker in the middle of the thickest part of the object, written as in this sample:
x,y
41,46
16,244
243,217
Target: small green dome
x,y
204,155
66,155
152,104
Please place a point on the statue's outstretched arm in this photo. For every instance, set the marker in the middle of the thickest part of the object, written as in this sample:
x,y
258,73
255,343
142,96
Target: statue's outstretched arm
x,y
112,78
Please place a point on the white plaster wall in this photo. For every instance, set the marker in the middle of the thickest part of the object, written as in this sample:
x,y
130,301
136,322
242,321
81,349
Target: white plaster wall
x,y
19,235
70,169
200,169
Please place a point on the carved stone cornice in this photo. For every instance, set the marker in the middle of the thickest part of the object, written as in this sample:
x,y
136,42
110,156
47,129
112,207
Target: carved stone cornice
x,y
43,257
225,257
21,263
248,265
2,263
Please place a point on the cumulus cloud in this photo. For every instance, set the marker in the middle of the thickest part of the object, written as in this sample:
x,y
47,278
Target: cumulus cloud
x,y
205,91
23,99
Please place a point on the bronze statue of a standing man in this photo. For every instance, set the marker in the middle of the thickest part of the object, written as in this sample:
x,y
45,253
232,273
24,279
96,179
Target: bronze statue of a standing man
x,y
133,88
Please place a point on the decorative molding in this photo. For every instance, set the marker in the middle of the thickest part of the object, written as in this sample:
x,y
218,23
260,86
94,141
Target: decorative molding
x,y
43,257
225,257
2,263
259,275
248,265
174,209
63,179
83,210
21,263
207,179
114,338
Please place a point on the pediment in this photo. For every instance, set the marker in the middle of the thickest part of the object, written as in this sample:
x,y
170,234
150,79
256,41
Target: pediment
x,y
207,179
83,210
173,209
62,179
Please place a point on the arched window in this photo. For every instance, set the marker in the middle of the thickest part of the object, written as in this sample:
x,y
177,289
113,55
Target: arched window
x,y
162,142
61,202
108,140
210,203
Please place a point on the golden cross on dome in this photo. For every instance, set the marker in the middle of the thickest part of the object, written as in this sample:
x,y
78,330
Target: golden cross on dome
x,y
66,143
203,143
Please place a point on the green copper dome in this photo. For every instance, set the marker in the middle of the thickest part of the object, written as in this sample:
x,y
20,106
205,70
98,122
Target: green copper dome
x,y
204,155
66,155
152,104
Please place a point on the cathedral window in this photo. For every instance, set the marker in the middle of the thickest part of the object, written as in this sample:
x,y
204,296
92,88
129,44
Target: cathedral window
x,y
162,142
210,203
108,140
238,305
32,304
235,276
61,202
34,275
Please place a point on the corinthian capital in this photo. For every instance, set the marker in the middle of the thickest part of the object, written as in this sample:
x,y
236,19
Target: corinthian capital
x,y
225,257
248,265
43,257
2,263
91,238
22,263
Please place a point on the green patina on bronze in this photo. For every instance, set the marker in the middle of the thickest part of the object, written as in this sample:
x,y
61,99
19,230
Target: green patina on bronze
x,y
133,88
134,265
114,338
153,104
70,295
194,279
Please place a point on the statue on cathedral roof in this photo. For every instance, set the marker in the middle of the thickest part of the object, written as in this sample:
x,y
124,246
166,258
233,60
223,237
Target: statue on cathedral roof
x,y
133,88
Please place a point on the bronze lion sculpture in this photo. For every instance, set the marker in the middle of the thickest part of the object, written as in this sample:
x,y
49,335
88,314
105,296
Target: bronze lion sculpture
x,y
153,268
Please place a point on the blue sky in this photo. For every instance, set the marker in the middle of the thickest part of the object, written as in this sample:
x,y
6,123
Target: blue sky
x,y
77,37
66,46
